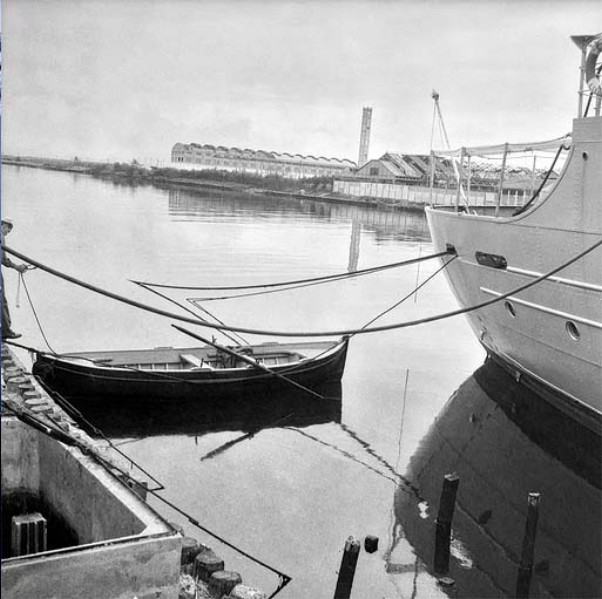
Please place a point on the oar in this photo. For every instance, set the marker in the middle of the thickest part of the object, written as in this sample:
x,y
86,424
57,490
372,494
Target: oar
x,y
249,361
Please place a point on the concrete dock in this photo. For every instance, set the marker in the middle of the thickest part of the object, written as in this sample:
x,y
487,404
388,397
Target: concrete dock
x,y
75,527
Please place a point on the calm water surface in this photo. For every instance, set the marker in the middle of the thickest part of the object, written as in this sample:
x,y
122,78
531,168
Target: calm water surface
x,y
415,402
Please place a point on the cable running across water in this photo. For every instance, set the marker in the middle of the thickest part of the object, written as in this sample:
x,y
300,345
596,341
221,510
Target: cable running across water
x,y
343,277
340,332
334,277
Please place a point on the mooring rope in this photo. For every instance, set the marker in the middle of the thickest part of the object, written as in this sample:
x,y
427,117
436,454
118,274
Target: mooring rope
x,y
337,276
335,333
312,283
22,278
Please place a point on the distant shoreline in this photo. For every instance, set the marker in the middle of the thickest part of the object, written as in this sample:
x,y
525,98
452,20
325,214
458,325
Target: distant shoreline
x,y
318,189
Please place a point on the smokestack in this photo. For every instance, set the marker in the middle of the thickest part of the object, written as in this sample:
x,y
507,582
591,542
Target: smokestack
x,y
365,136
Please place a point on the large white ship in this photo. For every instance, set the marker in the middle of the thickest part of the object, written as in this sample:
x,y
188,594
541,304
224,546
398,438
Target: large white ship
x,y
549,334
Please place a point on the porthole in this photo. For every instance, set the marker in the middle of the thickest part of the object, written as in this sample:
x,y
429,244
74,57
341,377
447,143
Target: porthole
x,y
572,330
510,309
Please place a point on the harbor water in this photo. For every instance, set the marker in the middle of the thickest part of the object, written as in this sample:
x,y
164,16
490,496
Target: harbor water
x,y
289,484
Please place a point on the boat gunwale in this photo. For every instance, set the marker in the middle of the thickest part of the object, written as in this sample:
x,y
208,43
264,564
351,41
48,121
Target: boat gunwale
x,y
193,375
73,359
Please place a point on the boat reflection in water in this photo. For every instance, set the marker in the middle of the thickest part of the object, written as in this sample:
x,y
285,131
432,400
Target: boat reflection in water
x,y
249,413
504,442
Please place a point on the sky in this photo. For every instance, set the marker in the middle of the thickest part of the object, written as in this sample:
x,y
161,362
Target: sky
x,y
124,79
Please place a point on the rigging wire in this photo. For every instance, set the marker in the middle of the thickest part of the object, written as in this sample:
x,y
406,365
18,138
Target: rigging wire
x,y
169,299
390,327
195,300
409,295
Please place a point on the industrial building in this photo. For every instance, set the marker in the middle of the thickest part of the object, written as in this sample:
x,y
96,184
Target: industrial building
x,y
195,156
394,178
406,179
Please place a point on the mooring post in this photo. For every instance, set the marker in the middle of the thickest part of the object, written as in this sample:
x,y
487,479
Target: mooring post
x,y
525,568
347,569
444,522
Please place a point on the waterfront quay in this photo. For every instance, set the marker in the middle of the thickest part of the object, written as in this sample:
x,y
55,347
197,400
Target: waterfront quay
x,y
75,521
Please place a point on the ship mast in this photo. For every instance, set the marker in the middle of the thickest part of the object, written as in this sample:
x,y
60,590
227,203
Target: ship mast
x,y
457,169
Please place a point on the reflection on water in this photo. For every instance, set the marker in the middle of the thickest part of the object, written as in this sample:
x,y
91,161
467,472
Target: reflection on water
x,y
386,224
505,442
251,414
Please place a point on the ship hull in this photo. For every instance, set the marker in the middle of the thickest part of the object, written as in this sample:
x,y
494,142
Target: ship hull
x,y
551,332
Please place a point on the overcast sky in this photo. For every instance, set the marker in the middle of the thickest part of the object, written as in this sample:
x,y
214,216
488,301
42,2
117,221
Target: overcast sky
x,y
118,79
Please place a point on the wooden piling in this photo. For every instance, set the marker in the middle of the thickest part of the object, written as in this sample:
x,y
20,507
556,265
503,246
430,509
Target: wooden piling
x,y
206,563
445,516
525,568
347,569
222,582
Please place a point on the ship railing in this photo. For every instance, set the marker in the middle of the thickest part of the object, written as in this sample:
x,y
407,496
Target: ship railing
x,y
514,173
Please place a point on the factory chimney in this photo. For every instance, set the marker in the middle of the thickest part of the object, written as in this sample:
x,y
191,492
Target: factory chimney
x,y
365,136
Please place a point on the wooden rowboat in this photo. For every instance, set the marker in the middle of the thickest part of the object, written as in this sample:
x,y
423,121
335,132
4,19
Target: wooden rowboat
x,y
191,373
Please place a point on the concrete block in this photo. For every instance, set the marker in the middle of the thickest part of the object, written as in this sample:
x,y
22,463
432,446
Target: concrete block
x,y
242,591
41,408
222,582
12,383
35,402
32,394
206,563
26,386
28,534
